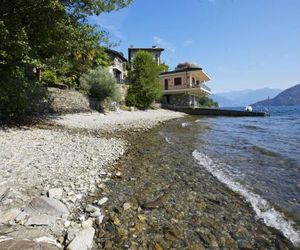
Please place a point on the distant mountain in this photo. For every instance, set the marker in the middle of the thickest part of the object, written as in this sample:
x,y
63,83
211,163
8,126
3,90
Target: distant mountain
x,y
222,101
288,97
244,97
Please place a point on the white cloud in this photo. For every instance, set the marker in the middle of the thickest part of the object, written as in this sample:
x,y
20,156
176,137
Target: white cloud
x,y
164,44
188,43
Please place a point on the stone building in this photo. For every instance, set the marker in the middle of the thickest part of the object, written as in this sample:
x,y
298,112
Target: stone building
x,y
118,66
155,51
183,86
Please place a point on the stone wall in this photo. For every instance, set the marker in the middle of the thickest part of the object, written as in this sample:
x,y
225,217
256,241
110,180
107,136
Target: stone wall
x,y
123,90
66,101
178,100
71,101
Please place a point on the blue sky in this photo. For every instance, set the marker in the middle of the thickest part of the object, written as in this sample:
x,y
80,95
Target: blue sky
x,y
241,44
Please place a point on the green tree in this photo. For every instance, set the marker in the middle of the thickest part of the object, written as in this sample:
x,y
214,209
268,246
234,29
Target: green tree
x,y
144,82
163,67
52,35
100,84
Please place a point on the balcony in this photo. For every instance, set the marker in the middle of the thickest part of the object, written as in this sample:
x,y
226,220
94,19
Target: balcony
x,y
202,87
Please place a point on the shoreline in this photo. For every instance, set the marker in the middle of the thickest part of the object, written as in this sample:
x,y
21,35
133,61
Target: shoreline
x,y
123,212
141,212
42,203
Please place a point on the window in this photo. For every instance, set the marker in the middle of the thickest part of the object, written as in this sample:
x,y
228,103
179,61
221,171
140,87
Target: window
x,y
178,81
166,84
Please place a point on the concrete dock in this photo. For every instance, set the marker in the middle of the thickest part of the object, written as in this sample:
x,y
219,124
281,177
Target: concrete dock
x,y
215,111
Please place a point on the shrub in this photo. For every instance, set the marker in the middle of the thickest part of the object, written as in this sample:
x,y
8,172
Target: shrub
x,y
144,78
100,84
207,102
49,77
19,96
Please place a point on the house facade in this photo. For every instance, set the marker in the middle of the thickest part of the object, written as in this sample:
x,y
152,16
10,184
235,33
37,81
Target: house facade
x,y
183,86
118,66
155,51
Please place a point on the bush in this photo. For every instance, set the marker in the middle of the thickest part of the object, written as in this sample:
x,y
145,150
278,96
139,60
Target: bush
x,y
49,77
144,78
100,84
207,102
19,96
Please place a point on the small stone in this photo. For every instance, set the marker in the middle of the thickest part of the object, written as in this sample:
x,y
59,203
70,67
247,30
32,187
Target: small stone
x,y
142,217
83,240
118,174
87,223
67,223
21,217
102,201
126,206
96,214
9,215
102,186
99,220
116,220
55,193
90,208
61,239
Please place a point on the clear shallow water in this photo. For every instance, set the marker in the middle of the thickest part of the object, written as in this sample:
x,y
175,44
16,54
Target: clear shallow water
x,y
259,157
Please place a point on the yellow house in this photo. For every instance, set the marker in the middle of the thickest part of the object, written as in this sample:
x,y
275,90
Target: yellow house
x,y
182,86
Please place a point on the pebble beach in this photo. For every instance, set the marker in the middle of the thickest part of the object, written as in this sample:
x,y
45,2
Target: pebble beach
x,y
48,171
112,181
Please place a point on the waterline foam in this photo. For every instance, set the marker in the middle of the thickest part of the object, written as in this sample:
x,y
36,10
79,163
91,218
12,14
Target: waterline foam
x,y
262,208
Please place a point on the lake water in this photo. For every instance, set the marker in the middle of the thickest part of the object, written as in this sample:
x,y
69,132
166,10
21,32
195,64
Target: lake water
x,y
259,157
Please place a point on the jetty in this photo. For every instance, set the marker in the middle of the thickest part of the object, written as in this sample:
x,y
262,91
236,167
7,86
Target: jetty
x,y
214,111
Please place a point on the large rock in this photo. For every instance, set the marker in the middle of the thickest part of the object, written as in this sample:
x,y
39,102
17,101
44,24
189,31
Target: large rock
x,y
40,220
49,206
83,240
26,245
9,215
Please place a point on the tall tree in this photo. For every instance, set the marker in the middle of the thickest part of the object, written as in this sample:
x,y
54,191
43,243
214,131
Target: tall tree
x,y
144,82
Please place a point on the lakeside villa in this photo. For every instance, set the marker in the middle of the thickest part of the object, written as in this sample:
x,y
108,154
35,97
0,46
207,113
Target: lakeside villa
x,y
181,87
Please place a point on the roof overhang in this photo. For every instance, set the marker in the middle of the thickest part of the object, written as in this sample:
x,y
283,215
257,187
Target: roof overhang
x,y
194,91
198,72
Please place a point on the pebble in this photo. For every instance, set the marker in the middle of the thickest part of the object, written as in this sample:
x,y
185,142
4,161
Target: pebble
x,y
102,201
90,208
67,223
99,220
55,193
83,240
87,223
126,206
96,214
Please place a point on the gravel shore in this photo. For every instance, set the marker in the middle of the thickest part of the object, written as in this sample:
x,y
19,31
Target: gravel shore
x,y
116,121
46,175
